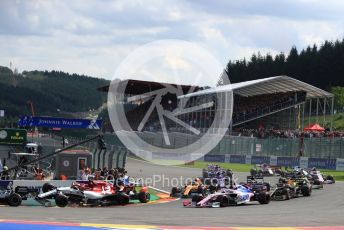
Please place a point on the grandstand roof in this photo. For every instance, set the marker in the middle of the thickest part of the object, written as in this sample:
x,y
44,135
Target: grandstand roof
x,y
266,86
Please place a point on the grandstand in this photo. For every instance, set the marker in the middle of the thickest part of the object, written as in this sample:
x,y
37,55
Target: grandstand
x,y
277,103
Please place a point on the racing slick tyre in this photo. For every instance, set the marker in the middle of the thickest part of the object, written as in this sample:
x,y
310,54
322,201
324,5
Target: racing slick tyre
x,y
223,200
306,191
47,187
61,200
175,192
196,198
329,177
144,197
214,182
14,200
264,198
123,198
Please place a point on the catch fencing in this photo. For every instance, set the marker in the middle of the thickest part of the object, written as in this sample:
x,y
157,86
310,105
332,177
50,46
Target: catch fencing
x,y
234,145
317,152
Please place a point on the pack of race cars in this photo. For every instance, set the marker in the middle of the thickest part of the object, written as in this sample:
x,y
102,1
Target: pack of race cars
x,y
220,190
217,188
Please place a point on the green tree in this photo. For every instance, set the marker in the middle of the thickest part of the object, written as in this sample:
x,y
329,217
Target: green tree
x,y
338,93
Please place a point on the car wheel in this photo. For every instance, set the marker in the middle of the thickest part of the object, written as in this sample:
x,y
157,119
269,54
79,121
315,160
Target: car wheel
x,y
196,198
144,197
175,192
224,201
123,198
305,191
263,198
14,200
61,200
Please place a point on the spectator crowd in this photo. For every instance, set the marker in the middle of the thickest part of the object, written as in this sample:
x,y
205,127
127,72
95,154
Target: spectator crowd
x,y
278,133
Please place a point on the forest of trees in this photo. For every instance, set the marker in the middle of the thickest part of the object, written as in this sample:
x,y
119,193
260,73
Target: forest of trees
x,y
321,66
51,92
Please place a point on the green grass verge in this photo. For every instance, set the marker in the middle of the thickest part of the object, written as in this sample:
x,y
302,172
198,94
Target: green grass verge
x,y
338,175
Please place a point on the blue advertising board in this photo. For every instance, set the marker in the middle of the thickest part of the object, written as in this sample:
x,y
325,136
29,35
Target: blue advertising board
x,y
237,159
214,158
55,122
288,161
260,159
323,163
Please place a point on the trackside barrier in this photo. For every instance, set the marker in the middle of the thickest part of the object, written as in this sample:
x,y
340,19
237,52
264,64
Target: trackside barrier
x,y
113,157
340,164
95,157
34,183
304,162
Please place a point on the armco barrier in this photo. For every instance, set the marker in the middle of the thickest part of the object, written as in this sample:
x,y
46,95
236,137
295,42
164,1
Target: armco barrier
x,y
288,161
34,183
260,159
214,158
340,164
322,163
304,162
241,159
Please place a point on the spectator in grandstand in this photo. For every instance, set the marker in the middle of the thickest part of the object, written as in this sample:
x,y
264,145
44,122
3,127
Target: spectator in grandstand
x,y
104,172
97,175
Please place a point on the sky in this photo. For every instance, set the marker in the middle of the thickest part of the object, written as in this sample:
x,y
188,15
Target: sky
x,y
94,37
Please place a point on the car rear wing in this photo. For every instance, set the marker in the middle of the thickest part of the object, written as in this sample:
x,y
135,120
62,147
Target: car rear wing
x,y
253,179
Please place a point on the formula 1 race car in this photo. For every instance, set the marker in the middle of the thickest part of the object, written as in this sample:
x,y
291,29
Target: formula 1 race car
x,y
283,190
91,193
215,171
15,198
189,190
242,194
317,180
300,186
226,197
326,179
329,179
262,170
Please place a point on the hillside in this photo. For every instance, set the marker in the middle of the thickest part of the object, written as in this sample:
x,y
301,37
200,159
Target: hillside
x,y
50,92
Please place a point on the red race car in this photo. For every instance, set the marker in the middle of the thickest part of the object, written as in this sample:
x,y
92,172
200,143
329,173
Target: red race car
x,y
93,193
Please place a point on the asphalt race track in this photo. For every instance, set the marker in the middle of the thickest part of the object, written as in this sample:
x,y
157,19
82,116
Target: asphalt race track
x,y
324,208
